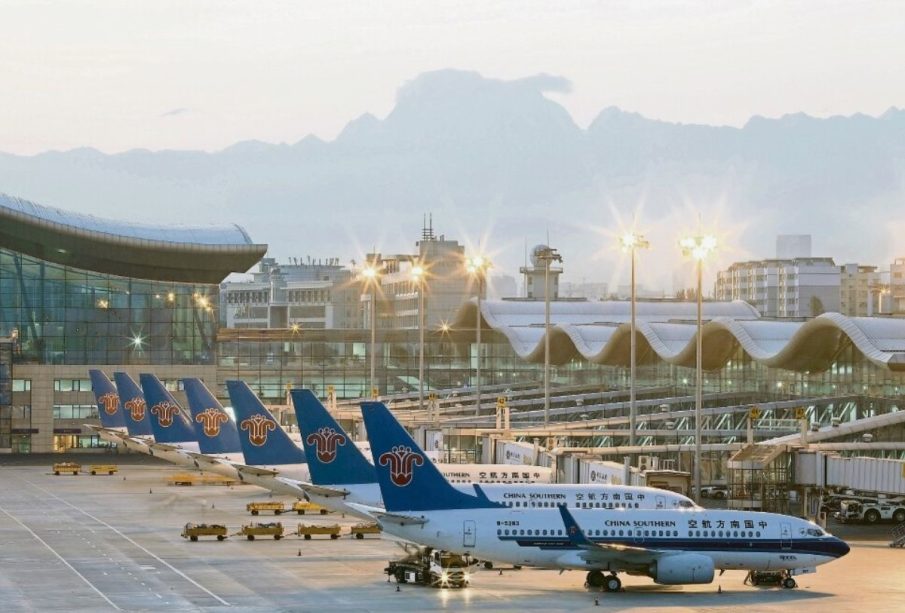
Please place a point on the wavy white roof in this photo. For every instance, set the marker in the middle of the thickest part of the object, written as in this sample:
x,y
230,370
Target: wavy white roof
x,y
600,332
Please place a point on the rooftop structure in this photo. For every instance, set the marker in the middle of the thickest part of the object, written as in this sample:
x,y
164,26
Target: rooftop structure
x,y
199,254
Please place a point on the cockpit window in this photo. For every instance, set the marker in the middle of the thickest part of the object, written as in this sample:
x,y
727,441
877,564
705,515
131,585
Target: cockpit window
x,y
686,504
815,532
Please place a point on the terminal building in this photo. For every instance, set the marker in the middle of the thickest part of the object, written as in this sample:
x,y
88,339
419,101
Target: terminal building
x,y
78,291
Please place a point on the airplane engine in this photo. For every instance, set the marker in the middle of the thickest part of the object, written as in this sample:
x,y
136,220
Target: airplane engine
x,y
682,569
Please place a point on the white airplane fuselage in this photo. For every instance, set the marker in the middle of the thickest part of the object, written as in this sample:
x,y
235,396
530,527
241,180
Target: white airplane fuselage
x,y
536,537
525,496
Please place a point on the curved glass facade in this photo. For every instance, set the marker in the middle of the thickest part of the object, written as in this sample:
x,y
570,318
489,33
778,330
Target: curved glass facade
x,y
62,315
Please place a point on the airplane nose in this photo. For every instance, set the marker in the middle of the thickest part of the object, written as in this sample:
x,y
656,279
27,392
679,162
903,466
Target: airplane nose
x,y
840,548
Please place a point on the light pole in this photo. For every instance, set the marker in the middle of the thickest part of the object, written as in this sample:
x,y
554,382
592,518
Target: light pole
x,y
547,255
419,277
698,247
370,275
478,267
631,242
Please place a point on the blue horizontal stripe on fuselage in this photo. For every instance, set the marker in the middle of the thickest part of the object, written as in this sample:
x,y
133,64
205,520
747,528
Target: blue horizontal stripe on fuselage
x,y
800,546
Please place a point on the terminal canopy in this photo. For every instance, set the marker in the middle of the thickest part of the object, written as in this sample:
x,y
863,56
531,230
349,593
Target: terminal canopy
x,y
599,332
161,253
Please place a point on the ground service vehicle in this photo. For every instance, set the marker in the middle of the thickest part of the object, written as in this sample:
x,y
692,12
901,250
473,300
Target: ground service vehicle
x,y
256,507
250,531
193,531
66,467
302,506
359,530
309,530
95,469
431,567
871,512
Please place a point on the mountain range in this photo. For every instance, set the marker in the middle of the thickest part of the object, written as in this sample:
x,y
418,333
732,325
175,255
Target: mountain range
x,y
499,161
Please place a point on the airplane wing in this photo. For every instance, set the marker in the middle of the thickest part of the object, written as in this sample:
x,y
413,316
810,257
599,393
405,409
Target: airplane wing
x,y
386,517
256,470
165,447
605,553
204,459
297,486
322,490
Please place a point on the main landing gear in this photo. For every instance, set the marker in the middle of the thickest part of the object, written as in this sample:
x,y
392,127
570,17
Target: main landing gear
x,y
609,583
783,578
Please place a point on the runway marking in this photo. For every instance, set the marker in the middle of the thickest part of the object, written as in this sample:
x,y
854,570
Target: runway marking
x,y
61,558
150,553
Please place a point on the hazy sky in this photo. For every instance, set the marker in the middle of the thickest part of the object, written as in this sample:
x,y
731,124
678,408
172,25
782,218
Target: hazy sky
x,y
195,74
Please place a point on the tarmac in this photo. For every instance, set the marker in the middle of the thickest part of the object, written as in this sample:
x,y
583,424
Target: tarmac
x,y
102,543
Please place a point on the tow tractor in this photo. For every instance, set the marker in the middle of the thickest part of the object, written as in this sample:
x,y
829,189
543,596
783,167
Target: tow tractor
x,y
303,506
256,507
430,567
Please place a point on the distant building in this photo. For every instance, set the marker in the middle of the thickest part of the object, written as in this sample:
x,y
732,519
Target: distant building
x,y
861,290
314,294
799,287
536,276
502,286
792,246
448,284
897,286
591,291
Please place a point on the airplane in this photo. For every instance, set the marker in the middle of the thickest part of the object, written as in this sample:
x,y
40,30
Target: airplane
x,y
341,474
127,423
173,433
218,437
673,547
267,448
456,473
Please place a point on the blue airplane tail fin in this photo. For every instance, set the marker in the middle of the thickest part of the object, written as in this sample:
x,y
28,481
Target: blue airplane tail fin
x,y
135,409
169,423
333,459
409,481
263,441
109,408
216,432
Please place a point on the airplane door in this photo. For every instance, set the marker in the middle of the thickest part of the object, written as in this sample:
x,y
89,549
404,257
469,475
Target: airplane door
x,y
661,502
785,536
469,533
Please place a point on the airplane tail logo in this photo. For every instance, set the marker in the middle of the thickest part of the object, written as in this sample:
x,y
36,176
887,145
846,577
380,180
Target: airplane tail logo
x,y
110,400
210,419
402,461
165,412
325,441
258,426
136,408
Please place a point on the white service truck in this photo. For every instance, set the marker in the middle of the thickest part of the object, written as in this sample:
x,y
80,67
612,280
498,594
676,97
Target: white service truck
x,y
871,512
431,567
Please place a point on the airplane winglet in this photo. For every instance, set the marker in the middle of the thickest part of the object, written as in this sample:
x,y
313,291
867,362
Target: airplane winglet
x,y
479,492
573,530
